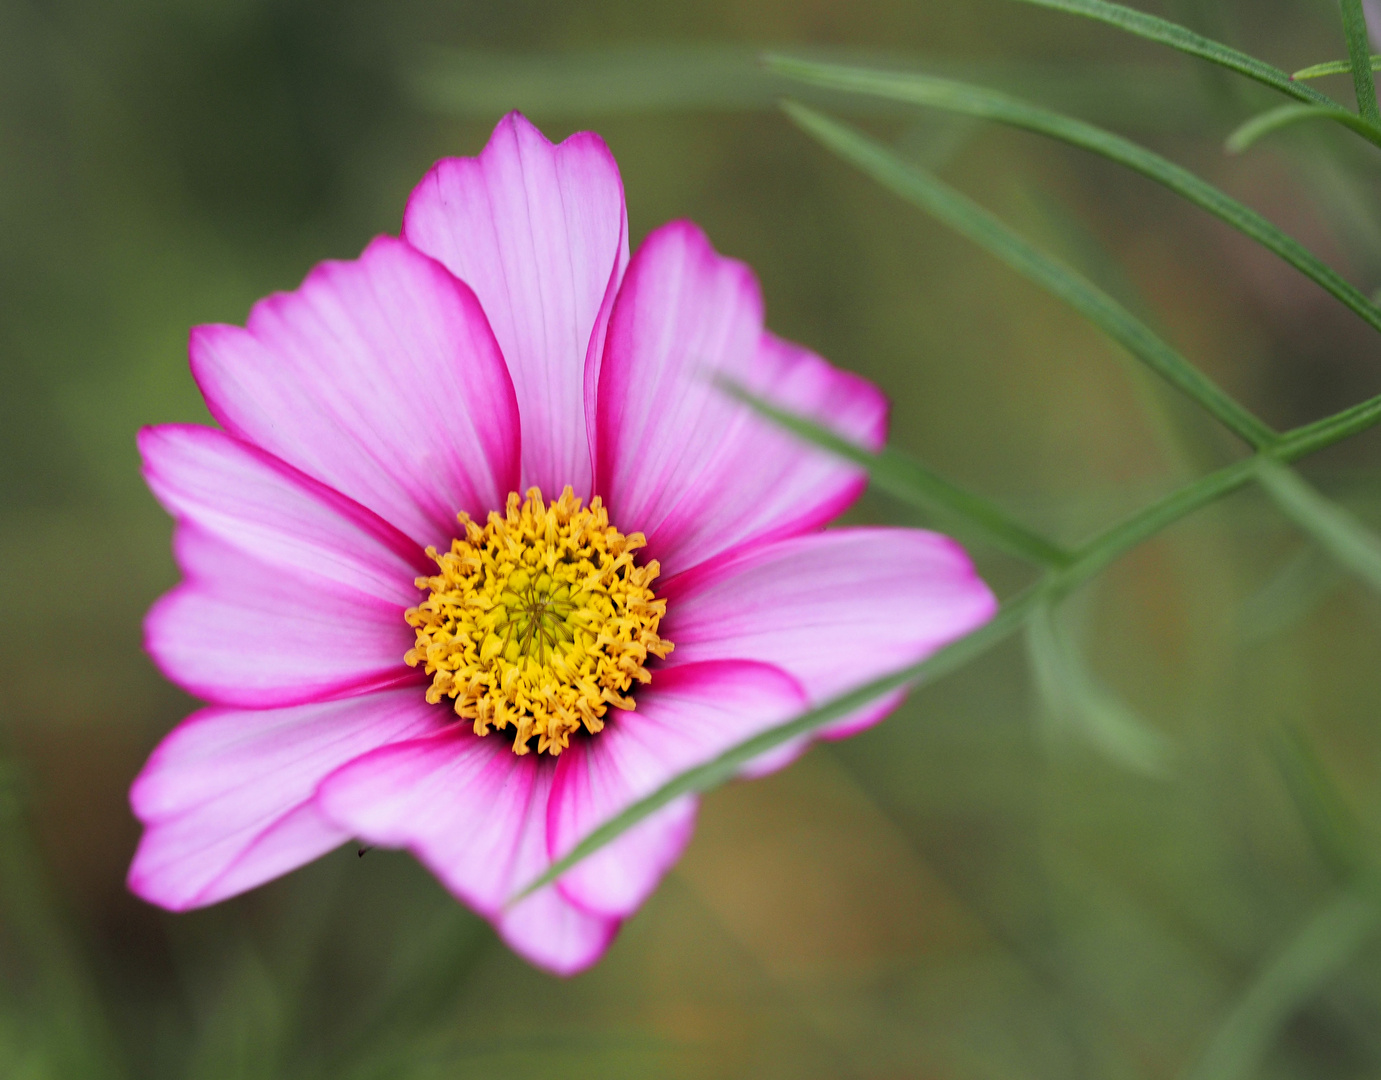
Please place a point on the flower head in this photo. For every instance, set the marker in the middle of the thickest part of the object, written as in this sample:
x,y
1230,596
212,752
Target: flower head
x,y
542,619
481,554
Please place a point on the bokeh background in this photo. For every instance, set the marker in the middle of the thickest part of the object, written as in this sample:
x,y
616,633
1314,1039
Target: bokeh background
x,y
1003,880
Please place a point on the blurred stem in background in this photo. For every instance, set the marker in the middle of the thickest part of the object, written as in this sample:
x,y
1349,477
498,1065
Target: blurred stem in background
x,y
1332,938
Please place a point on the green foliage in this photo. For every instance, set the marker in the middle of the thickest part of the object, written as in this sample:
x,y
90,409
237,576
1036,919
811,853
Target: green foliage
x,y
1332,67
1096,870
976,101
1330,939
962,214
1359,56
1185,40
1286,115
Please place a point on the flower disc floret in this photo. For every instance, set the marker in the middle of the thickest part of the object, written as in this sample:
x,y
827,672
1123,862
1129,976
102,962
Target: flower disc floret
x,y
541,619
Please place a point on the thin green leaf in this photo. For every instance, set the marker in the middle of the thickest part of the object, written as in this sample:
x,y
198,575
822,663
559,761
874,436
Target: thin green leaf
x,y
911,482
1111,544
727,765
1095,555
1275,119
1359,56
1072,693
968,218
1186,41
976,101
1325,945
1355,546
1306,440
1333,67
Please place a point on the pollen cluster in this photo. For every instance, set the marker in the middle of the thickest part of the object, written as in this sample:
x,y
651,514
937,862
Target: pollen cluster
x,y
539,619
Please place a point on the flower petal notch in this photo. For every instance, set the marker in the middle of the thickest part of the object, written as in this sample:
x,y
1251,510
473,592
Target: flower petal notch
x,y
485,553
540,233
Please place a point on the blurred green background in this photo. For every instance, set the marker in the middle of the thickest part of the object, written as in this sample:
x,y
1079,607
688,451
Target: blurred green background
x,y
1003,880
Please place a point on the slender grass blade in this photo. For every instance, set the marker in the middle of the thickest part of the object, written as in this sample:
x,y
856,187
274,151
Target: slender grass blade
x,y
912,483
1332,67
1359,57
1186,41
980,102
1286,115
727,765
969,219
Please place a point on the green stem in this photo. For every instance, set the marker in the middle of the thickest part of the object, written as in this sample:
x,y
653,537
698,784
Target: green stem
x,y
1359,55
1311,438
1186,41
1091,558
910,481
1286,115
1354,546
1293,445
977,101
1110,545
1333,67
724,767
968,218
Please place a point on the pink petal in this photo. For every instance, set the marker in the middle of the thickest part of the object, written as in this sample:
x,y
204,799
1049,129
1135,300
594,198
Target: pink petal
x,y
227,797
266,508
540,233
378,377
475,814
687,716
835,609
679,460
239,631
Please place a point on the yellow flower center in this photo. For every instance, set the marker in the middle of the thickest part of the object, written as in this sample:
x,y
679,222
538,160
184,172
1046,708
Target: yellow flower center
x,y
541,619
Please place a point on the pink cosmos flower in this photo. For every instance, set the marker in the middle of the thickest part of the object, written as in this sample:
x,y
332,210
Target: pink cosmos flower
x,y
400,647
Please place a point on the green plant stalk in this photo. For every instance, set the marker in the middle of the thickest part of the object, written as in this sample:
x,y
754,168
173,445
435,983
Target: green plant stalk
x,y
909,480
985,104
1359,56
724,767
971,220
1088,561
1264,124
1306,440
1186,41
1333,67
1292,446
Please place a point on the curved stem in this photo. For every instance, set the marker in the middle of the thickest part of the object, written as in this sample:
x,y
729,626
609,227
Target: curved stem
x,y
932,92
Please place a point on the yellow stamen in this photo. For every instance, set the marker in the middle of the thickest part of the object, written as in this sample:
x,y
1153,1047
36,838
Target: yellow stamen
x,y
541,619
